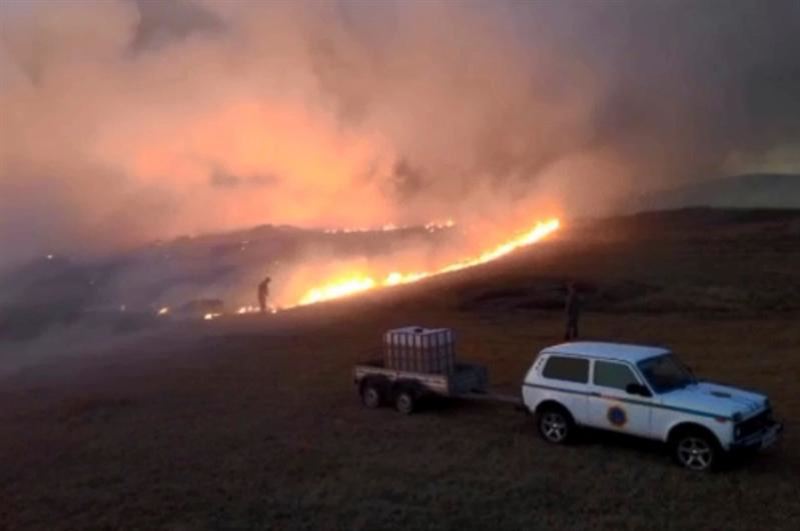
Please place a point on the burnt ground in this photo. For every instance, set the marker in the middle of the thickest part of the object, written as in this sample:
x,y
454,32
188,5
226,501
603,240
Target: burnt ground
x,y
253,423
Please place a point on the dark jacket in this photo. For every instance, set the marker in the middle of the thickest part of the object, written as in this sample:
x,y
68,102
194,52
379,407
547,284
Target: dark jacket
x,y
573,306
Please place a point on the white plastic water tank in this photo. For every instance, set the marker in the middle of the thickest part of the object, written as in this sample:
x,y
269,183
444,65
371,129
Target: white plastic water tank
x,y
419,349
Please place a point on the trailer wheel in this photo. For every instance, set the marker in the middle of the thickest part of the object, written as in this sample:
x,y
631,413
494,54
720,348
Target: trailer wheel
x,y
405,401
371,395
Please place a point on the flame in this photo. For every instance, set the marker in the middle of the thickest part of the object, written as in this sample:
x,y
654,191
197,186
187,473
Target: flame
x,y
339,288
254,309
359,282
431,226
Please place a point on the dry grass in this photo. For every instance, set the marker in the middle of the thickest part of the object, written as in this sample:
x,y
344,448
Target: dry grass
x,y
253,423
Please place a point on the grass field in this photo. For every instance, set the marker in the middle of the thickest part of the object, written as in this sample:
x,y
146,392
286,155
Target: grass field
x,y
253,423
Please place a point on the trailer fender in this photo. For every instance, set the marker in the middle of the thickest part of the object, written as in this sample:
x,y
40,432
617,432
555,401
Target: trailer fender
x,y
414,388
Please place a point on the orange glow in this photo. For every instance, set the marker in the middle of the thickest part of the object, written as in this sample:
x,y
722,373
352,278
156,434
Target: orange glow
x,y
359,282
432,226
254,309
339,288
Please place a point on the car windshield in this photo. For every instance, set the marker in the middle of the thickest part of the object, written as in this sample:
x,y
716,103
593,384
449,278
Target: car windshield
x,y
666,373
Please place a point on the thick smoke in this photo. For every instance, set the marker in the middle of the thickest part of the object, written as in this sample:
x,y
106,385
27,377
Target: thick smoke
x,y
124,121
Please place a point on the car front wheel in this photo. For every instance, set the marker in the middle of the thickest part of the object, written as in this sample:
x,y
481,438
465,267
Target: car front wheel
x,y
696,451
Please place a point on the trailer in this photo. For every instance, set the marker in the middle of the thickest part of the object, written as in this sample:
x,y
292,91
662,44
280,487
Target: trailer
x,y
378,385
419,363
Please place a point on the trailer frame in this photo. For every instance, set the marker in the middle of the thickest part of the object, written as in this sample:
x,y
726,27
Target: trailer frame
x,y
378,385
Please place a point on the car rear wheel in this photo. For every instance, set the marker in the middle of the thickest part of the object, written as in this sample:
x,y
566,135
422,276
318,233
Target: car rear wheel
x,y
696,451
555,425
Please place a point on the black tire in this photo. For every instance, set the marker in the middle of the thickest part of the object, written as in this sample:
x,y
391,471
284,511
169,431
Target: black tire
x,y
371,395
555,424
405,401
696,450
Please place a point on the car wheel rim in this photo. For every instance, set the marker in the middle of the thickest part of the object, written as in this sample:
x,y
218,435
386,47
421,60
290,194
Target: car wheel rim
x,y
554,427
695,453
371,397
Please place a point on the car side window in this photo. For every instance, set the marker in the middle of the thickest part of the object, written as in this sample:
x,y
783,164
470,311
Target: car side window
x,y
567,369
615,375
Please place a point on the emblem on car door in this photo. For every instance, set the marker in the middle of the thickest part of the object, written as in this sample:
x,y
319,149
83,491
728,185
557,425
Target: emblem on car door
x,y
617,416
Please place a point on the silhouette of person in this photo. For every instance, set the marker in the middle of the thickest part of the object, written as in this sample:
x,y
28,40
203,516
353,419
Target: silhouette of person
x,y
263,291
573,311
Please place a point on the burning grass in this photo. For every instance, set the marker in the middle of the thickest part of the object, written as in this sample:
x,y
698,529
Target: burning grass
x,y
355,283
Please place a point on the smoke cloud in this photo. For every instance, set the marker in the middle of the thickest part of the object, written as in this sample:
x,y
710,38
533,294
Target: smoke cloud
x,y
125,121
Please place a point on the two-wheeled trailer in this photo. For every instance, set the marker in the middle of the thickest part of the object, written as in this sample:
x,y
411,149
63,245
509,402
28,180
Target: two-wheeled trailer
x,y
379,385
418,363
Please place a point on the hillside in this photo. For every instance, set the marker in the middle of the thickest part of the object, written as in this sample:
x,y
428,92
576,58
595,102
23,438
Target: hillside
x,y
124,291
740,191
252,422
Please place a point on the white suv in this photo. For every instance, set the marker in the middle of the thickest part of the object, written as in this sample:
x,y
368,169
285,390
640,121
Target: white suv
x,y
646,392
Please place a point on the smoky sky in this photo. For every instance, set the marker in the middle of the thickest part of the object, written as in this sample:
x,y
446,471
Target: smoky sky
x,y
123,121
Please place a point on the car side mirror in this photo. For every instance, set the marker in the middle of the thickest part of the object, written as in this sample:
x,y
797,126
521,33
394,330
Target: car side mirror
x,y
637,389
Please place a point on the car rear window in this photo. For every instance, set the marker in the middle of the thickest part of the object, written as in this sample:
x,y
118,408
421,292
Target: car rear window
x,y
567,369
